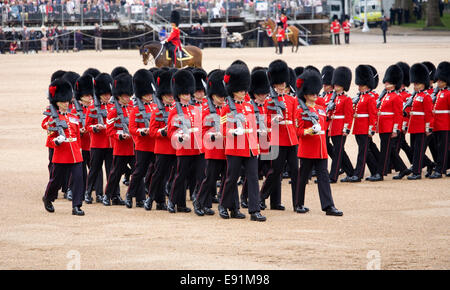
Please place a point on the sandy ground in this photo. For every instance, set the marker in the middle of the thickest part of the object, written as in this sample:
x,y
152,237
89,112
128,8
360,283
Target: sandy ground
x,y
392,224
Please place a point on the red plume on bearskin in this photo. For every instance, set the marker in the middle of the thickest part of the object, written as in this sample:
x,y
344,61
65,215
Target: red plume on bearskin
x,y
300,83
52,90
157,80
226,78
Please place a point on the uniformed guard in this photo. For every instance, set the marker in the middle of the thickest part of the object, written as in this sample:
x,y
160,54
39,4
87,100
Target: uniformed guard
x,y
173,42
281,36
335,30
143,83
341,116
324,99
241,145
67,156
346,25
312,150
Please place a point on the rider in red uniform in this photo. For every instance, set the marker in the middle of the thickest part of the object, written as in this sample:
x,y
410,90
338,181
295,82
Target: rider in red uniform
x,y
173,42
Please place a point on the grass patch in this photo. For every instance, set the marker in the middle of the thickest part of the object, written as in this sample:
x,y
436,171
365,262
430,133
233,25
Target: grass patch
x,y
421,23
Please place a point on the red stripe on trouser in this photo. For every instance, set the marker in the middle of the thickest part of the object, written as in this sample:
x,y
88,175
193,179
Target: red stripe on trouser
x,y
224,185
361,174
175,180
387,156
339,160
419,169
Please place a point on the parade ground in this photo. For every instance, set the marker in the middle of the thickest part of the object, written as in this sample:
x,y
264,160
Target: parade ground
x,y
386,225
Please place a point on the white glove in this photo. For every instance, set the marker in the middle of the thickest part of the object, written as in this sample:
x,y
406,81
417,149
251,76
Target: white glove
x,y
316,128
162,42
239,131
277,118
60,139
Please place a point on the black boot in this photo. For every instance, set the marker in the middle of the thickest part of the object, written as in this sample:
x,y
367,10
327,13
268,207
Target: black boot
x,y
48,205
77,211
69,194
88,197
117,200
257,216
223,212
148,204
236,214
376,177
106,200
161,206
128,201
402,174
140,203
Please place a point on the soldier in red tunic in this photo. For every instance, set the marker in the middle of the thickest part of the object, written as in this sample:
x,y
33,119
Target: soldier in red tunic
x,y
281,36
241,145
312,149
67,157
420,117
324,99
173,42
441,121
213,144
346,26
118,129
184,131
341,116
140,131
335,28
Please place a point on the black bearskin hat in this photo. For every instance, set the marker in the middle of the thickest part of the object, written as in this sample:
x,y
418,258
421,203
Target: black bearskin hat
x,y
57,74
283,11
292,79
103,84
342,76
238,61
199,75
123,85
299,70
311,67
327,74
364,76
60,90
163,83
71,77
405,69
118,70
308,83
431,69
215,84
84,86
278,72
142,83
419,74
214,70
92,71
175,17
443,72
153,70
237,78
376,78
259,83
280,24
394,75
183,82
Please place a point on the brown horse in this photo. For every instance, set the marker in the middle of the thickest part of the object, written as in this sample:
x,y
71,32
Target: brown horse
x,y
158,52
293,36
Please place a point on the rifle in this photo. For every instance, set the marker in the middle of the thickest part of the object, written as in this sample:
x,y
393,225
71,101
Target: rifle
x,y
277,106
331,105
310,116
213,117
408,103
100,114
355,100
259,118
123,121
164,116
237,118
183,123
59,124
380,97
142,112
80,113
434,94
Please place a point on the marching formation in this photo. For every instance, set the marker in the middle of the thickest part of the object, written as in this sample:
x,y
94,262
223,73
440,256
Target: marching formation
x,y
172,130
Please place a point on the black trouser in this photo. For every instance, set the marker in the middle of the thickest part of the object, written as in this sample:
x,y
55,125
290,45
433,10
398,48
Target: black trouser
x,y
419,145
272,185
98,156
373,156
330,147
363,149
59,174
388,153
347,37
118,168
280,47
402,144
384,36
136,187
86,165
178,190
163,168
66,44
263,170
194,178
337,40
434,149
340,158
50,158
214,168
323,182
230,196
443,144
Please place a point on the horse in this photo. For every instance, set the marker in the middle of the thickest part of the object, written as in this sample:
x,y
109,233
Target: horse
x,y
293,36
158,52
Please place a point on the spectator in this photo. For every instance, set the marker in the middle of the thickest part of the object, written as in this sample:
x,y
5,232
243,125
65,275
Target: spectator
x,y
33,45
13,47
57,33
50,39
392,16
44,39
78,41
2,40
65,38
98,37
162,34
223,35
384,28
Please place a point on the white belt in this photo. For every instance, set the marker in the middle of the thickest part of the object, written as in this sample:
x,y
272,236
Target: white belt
x,y
417,113
386,113
70,140
287,122
442,111
337,117
195,129
248,130
320,133
362,115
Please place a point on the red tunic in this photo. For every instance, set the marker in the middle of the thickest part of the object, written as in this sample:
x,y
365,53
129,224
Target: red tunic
x,y
365,115
174,37
245,145
421,115
441,111
212,149
70,150
120,147
162,143
86,137
50,134
311,146
146,142
284,19
390,113
264,140
341,116
335,27
192,145
404,94
284,134
346,26
281,35
98,139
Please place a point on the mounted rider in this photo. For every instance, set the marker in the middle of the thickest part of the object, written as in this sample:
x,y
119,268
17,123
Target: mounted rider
x,y
173,42
284,19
